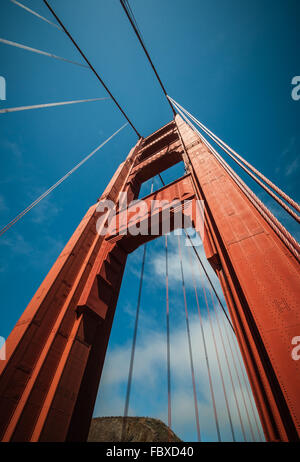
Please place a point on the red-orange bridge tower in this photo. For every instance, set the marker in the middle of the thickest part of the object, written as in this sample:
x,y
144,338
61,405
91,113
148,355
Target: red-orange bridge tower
x,y
55,353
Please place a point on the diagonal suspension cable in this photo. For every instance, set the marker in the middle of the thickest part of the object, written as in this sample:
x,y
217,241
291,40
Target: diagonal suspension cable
x,y
279,229
46,193
129,9
265,179
41,106
208,278
244,164
190,344
133,23
230,152
35,13
40,52
90,65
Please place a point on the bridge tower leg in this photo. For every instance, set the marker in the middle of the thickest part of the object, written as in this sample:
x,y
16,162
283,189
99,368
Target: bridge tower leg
x,y
55,353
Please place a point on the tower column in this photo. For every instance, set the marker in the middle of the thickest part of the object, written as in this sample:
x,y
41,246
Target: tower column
x,y
47,389
260,280
56,352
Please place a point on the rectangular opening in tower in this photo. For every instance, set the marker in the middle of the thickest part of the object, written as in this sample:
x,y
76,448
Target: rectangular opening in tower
x,y
168,176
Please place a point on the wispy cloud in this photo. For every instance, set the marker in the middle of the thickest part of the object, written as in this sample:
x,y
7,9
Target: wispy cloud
x,y
16,243
150,367
291,158
191,266
3,206
19,246
44,211
292,168
13,148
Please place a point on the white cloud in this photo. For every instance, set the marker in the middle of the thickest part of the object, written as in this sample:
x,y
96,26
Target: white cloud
x,y
291,158
149,373
44,210
191,271
13,148
292,168
3,206
149,388
17,244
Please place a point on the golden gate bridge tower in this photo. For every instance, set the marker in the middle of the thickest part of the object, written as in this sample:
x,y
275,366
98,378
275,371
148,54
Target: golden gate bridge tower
x,y
55,353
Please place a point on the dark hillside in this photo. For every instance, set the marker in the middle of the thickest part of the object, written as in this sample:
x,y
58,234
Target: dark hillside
x,y
139,429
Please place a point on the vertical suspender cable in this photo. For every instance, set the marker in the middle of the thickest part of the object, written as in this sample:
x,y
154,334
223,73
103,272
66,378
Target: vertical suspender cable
x,y
217,355
232,332
205,349
246,383
209,280
190,343
168,333
245,380
168,339
129,381
238,377
228,366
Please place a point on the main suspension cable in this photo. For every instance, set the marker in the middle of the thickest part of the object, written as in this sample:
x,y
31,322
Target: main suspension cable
x,y
90,65
133,23
42,106
234,155
129,9
279,229
46,193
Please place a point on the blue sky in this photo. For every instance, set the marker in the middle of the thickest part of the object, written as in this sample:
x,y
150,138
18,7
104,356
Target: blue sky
x,y
228,62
